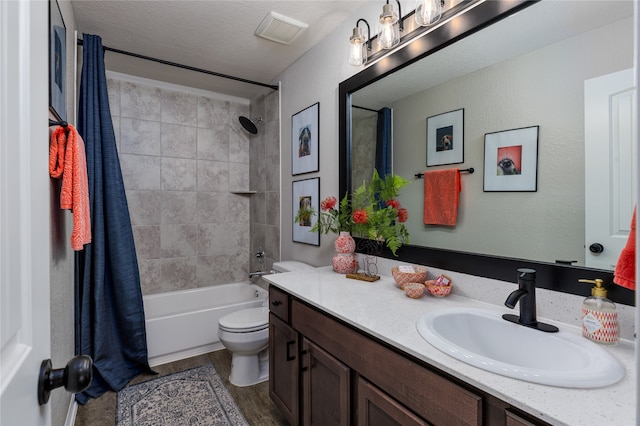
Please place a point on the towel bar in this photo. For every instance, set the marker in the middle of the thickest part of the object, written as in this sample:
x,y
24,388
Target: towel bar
x,y
469,170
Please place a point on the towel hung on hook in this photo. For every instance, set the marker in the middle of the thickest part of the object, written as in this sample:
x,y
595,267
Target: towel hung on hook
x,y
67,160
441,196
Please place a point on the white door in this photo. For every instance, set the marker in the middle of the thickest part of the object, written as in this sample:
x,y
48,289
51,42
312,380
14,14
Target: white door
x,y
24,210
610,166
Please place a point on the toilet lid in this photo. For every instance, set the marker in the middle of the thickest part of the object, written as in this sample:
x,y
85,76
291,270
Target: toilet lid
x,y
245,320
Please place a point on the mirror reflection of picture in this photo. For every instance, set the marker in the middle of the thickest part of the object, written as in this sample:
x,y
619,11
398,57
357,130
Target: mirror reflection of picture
x,y
445,138
509,160
57,68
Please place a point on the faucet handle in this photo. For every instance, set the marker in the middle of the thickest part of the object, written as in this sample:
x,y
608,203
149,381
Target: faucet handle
x,y
526,273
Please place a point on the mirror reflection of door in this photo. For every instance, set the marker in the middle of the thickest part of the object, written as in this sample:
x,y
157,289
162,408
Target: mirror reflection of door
x,y
611,172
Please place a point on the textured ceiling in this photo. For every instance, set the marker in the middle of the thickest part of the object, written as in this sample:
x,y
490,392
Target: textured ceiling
x,y
212,35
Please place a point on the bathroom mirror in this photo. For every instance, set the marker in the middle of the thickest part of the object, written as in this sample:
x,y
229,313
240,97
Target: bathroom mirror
x,y
469,63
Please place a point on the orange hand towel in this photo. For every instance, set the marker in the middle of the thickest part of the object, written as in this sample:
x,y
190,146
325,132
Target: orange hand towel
x,y
67,159
625,273
441,192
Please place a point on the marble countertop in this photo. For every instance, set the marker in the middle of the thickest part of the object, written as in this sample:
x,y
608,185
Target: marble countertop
x,y
382,310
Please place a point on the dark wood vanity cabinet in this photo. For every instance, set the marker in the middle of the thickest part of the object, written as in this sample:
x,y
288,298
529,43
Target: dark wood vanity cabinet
x,y
325,372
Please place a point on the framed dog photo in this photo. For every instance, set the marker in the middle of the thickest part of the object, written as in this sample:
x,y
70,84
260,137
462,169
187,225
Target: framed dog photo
x,y
57,61
305,139
511,160
445,138
306,207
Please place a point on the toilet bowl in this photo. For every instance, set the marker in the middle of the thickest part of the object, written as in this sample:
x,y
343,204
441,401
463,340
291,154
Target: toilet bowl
x,y
245,333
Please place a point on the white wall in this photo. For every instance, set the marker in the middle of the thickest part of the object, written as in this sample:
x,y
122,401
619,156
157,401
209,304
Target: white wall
x,y
315,78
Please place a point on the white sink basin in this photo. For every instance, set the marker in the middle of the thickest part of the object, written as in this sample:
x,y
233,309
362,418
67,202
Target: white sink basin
x,y
483,339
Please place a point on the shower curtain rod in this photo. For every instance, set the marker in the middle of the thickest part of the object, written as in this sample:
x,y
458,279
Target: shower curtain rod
x,y
186,67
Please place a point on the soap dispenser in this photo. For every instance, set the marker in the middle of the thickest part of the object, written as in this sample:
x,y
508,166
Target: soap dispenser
x,y
599,315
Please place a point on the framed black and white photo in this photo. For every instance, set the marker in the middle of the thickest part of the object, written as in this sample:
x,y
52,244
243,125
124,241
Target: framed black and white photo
x,y
445,138
305,140
57,62
306,206
511,160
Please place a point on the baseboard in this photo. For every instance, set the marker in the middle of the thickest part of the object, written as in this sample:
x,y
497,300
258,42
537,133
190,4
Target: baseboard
x,y
71,412
177,356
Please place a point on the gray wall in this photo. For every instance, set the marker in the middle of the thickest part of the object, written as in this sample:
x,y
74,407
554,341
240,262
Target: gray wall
x,y
62,257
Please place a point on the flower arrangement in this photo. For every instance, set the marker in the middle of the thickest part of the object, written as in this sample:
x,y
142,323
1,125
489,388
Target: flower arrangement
x,y
372,212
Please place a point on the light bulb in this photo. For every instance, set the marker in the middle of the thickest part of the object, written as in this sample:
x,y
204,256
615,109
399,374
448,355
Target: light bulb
x,y
389,32
428,12
357,48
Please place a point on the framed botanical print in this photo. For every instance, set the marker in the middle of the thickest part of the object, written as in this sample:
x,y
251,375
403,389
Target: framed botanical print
x,y
511,160
306,201
305,134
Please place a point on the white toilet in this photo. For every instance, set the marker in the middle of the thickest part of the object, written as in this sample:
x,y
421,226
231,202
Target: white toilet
x,y
245,333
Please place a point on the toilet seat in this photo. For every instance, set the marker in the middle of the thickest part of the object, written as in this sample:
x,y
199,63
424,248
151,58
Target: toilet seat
x,y
245,320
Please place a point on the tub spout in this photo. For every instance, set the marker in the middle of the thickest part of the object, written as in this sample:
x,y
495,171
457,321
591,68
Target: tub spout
x,y
257,274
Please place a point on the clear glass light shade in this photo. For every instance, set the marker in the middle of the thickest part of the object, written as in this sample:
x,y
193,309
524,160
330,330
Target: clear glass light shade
x,y
357,52
428,12
357,48
389,28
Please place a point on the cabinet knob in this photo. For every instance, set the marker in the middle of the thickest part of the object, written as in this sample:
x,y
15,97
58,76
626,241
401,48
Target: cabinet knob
x,y
276,303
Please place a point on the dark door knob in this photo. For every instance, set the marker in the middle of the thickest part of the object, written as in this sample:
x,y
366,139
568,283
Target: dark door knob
x,y
75,377
596,248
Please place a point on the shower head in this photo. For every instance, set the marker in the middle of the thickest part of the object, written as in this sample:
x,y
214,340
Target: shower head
x,y
250,124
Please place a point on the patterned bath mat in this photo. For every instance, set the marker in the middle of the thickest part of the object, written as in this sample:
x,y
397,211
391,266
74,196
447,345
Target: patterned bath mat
x,y
193,397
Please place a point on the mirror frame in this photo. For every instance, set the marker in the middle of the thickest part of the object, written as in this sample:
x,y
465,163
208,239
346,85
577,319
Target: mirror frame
x,y
557,277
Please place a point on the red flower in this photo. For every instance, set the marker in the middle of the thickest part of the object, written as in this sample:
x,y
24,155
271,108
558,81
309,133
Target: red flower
x,y
393,203
403,215
328,203
360,216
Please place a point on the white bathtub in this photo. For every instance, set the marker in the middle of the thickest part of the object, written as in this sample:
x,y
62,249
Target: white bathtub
x,y
182,324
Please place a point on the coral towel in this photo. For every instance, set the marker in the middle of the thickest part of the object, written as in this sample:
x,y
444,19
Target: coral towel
x,y
441,192
67,160
625,273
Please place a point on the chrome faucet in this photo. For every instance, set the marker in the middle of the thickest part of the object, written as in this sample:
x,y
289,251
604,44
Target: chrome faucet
x,y
257,274
526,295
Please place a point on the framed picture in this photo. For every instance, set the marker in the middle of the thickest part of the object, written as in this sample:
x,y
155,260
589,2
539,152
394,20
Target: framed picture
x,y
57,62
306,196
511,160
445,138
305,139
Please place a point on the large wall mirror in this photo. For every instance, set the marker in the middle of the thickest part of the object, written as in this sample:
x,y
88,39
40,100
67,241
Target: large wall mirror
x,y
508,65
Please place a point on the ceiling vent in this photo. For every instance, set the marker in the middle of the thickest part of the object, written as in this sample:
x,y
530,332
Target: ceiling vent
x,y
280,28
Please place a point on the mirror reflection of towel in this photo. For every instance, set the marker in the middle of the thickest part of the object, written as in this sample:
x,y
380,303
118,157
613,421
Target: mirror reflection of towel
x,y
441,194
625,272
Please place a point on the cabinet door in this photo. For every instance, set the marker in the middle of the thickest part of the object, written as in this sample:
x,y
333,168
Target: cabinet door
x,y
325,388
375,408
283,368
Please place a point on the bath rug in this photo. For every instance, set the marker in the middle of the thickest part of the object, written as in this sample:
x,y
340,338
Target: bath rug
x,y
192,397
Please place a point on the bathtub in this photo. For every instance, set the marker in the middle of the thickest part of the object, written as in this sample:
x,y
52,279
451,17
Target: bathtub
x,y
182,324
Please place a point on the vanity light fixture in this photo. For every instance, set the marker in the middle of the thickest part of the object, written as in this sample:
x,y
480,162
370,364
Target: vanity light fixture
x,y
390,26
358,45
428,12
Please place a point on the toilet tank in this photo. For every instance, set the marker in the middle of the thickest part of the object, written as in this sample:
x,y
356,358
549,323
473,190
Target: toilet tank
x,y
291,266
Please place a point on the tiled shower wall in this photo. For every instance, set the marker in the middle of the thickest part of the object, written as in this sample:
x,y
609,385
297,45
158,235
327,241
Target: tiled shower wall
x,y
183,154
265,180
364,148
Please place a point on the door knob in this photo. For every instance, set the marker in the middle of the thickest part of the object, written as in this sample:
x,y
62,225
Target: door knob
x,y
75,377
596,248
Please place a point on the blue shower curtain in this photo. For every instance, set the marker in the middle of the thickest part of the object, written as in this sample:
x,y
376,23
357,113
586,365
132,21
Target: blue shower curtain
x,y
383,143
109,314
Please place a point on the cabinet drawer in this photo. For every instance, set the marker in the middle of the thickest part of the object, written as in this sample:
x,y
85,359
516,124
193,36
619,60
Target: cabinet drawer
x,y
426,393
279,303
